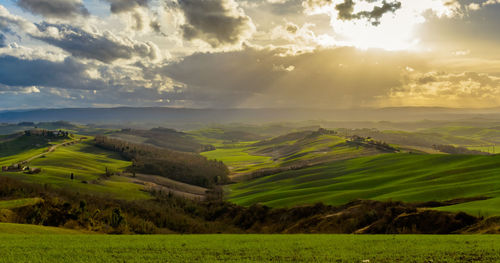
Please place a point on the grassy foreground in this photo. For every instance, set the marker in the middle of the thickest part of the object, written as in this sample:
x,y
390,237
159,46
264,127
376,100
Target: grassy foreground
x,y
249,248
9,230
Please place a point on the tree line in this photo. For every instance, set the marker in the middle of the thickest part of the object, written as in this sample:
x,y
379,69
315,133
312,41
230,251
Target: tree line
x,y
188,168
169,214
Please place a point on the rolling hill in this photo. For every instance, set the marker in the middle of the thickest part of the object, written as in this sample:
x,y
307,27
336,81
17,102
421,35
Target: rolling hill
x,y
293,150
405,177
87,162
162,137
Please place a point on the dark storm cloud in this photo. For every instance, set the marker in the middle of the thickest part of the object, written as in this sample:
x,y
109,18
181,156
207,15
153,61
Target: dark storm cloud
x,y
346,11
69,73
104,47
217,22
54,8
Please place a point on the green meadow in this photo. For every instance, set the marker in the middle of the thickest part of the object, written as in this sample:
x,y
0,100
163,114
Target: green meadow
x,y
405,177
248,248
240,159
88,165
9,230
246,157
9,204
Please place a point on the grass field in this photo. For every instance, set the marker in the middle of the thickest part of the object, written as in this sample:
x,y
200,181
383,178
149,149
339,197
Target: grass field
x,y
8,204
239,159
22,229
246,157
249,248
405,177
88,164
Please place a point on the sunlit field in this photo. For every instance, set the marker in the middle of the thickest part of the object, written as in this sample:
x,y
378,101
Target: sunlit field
x,y
248,248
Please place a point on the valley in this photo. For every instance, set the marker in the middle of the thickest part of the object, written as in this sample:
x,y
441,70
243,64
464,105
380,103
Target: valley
x,y
248,179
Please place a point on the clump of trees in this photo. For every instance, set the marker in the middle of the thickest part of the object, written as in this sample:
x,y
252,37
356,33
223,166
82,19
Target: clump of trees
x,y
457,150
370,143
47,133
189,168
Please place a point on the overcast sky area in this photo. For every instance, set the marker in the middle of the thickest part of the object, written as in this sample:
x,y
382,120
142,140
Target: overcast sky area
x,y
249,54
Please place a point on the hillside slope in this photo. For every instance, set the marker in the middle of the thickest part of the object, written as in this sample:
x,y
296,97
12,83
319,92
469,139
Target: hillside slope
x,y
405,177
297,149
88,164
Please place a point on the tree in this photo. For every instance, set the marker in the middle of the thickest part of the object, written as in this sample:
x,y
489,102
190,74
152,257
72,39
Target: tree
x,y
72,176
116,217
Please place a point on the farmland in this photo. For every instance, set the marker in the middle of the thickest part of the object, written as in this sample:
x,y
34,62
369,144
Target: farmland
x,y
88,164
293,170
406,177
295,149
249,248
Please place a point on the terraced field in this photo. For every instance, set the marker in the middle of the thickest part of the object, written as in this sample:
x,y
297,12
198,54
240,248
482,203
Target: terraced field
x,y
405,177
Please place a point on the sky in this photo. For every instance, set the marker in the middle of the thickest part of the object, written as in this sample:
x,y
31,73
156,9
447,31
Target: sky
x,y
326,54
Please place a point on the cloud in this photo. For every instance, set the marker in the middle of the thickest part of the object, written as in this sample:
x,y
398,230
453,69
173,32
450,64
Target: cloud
x,y
216,22
346,11
466,89
36,82
478,6
314,6
2,41
105,46
54,8
330,78
371,23
71,74
120,6
8,21
302,37
132,7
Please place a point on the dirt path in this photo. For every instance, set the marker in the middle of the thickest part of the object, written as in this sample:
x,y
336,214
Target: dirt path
x,y
49,150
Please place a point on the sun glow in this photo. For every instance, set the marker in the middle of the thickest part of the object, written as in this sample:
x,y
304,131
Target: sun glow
x,y
396,31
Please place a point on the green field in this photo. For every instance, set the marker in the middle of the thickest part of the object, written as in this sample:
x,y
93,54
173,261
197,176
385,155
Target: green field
x,y
22,229
8,204
239,159
23,147
405,177
246,157
249,248
88,164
